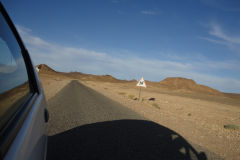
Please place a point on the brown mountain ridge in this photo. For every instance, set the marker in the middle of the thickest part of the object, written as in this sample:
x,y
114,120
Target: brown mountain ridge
x,y
179,83
170,83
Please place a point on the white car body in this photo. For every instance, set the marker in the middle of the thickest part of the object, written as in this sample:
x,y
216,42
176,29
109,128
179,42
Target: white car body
x,y
23,128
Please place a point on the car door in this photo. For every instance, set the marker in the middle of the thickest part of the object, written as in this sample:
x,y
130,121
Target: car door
x,y
23,113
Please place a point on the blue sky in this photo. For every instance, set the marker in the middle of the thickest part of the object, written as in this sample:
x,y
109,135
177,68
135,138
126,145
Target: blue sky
x,y
197,39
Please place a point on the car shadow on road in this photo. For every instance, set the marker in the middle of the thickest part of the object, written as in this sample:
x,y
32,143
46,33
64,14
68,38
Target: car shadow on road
x,y
121,139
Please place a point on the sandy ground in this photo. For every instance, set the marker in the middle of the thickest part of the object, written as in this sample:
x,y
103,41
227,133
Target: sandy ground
x,y
199,121
52,84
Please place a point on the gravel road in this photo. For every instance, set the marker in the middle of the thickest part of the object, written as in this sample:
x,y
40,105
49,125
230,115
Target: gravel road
x,y
84,124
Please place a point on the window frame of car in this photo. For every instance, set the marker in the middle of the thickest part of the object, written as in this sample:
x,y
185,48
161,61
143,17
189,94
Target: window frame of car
x,y
10,130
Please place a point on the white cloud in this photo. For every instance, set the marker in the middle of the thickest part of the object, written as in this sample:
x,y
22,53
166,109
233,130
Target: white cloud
x,y
215,41
217,31
64,58
219,36
148,12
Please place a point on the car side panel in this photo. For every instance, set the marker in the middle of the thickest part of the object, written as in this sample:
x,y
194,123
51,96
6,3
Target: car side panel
x,y
30,142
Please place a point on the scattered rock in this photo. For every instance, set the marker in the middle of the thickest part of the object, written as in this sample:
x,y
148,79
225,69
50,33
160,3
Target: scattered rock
x,y
151,99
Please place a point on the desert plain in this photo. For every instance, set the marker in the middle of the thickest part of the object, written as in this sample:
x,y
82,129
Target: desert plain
x,y
203,116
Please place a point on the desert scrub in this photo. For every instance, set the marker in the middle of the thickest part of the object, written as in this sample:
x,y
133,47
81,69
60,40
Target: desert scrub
x,y
130,96
155,105
105,88
232,126
189,114
121,93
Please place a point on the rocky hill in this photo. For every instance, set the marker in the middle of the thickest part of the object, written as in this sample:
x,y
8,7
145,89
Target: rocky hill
x,y
179,83
43,68
91,77
172,83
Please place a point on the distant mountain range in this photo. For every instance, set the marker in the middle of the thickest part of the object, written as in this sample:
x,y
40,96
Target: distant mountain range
x,y
171,83
44,69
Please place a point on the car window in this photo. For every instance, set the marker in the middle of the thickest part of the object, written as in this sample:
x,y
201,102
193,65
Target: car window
x,y
14,85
